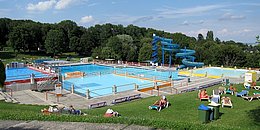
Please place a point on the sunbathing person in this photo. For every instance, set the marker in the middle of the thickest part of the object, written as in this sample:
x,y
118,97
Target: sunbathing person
x,y
111,113
51,109
204,94
159,104
72,110
232,88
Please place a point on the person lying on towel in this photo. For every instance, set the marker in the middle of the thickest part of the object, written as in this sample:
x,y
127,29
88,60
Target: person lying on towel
x,y
111,113
159,104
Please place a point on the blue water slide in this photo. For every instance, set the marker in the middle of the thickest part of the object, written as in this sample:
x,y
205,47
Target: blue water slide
x,y
188,59
155,49
154,54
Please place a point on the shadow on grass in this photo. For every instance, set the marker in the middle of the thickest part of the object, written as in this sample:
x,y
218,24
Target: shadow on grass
x,y
220,114
7,55
21,128
36,53
255,115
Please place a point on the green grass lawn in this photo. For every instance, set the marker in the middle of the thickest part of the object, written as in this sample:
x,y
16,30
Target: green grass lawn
x,y
10,56
183,113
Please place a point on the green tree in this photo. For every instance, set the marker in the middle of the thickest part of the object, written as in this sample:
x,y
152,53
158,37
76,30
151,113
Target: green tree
x,y
75,44
19,38
87,42
97,52
257,39
200,37
69,29
4,31
145,52
210,36
231,55
2,74
217,40
108,53
54,42
128,48
115,46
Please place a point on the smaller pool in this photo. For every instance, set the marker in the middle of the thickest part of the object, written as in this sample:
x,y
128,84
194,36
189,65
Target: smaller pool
x,y
226,72
21,74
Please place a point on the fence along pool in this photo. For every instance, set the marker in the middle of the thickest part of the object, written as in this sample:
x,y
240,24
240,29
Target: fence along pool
x,y
100,83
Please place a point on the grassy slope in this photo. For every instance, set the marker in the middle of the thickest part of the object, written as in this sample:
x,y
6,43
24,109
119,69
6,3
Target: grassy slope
x,y
181,114
9,56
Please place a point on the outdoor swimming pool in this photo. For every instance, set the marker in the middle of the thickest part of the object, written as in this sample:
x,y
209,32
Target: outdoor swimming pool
x,y
99,80
21,74
226,72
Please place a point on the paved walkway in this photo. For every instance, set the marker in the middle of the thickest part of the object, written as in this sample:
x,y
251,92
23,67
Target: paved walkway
x,y
79,102
53,125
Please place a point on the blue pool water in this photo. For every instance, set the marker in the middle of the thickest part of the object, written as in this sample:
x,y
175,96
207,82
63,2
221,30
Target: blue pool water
x,y
86,68
219,71
21,74
102,84
91,69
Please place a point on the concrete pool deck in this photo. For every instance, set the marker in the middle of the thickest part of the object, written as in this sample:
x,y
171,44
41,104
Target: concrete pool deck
x,y
80,102
32,97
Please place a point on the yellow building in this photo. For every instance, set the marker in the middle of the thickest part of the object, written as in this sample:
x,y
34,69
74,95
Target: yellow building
x,y
250,76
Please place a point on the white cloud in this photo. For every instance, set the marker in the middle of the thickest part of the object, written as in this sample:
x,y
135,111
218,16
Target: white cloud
x,y
202,31
128,19
41,6
86,19
229,16
249,4
61,4
49,4
185,22
198,10
4,12
247,30
223,31
92,4
201,22
142,19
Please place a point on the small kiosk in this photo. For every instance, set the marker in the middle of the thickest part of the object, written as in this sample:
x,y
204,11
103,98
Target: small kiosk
x,y
250,77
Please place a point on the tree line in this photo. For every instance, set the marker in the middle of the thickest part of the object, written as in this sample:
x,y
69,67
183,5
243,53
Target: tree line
x,y
128,43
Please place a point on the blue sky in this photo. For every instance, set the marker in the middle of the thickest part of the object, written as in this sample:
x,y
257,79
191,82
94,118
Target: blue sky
x,y
229,20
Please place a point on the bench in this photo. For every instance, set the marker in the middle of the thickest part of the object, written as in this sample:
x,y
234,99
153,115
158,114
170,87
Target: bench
x,y
97,105
124,99
132,97
119,100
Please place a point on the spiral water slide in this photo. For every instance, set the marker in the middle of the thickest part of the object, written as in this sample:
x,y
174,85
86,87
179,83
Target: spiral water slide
x,y
188,58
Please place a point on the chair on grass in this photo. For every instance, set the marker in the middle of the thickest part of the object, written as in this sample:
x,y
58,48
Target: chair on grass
x,y
242,93
221,90
216,95
257,87
226,101
256,93
247,85
250,98
231,90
